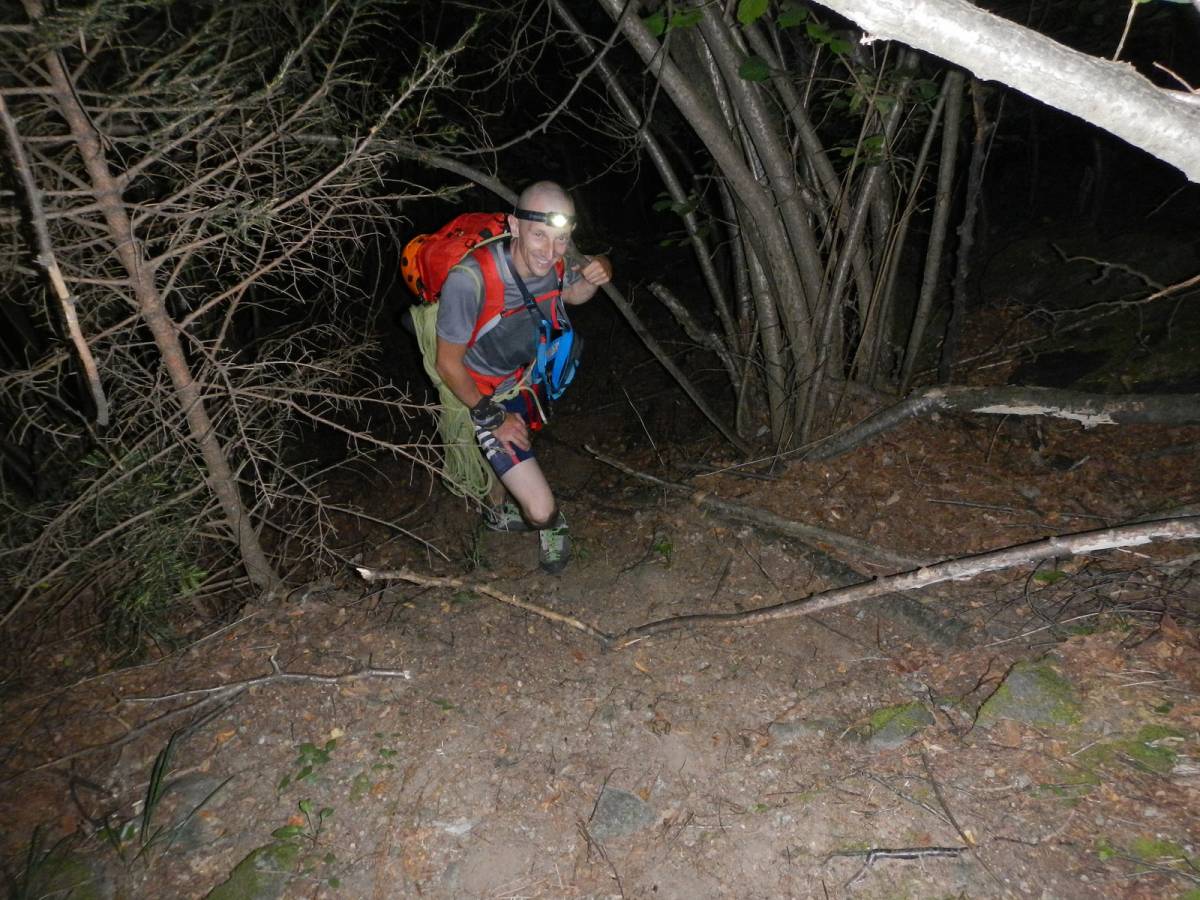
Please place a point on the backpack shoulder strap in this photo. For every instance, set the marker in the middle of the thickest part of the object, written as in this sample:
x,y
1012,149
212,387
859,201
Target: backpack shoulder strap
x,y
493,290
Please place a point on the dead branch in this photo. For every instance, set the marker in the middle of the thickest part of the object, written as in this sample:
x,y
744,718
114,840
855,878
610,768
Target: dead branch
x,y
1015,400
134,733
878,853
47,260
966,837
951,570
408,575
856,549
276,676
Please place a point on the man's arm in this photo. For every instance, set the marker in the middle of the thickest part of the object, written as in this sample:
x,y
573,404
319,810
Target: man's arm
x,y
593,273
453,371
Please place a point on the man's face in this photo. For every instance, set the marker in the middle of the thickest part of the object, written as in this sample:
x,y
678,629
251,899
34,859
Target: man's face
x,y
538,245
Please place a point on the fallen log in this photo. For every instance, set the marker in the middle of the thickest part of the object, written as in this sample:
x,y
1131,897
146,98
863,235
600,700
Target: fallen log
x,y
951,570
1014,400
857,550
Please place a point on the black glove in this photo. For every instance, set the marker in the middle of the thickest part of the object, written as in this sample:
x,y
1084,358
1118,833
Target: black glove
x,y
487,414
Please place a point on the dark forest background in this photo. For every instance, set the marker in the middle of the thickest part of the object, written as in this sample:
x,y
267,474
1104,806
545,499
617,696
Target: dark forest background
x,y
203,206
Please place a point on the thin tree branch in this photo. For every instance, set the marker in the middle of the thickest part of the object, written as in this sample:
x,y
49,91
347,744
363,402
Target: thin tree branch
x,y
47,260
951,570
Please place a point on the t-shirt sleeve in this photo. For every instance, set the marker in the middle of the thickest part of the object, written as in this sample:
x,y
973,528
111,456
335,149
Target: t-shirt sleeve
x,y
460,304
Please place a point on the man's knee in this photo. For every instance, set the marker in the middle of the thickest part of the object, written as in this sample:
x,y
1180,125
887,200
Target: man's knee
x,y
541,515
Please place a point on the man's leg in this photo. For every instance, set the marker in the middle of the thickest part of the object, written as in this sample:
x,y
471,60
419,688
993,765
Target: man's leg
x,y
528,486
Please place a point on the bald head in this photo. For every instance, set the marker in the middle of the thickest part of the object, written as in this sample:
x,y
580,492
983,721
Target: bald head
x,y
546,196
541,228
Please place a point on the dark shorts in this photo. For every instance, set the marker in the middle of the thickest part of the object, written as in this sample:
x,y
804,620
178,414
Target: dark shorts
x,y
502,459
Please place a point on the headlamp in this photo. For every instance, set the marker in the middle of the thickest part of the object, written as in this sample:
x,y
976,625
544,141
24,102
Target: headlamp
x,y
553,219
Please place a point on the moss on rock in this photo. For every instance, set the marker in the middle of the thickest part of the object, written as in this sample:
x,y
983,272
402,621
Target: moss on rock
x,y
1034,693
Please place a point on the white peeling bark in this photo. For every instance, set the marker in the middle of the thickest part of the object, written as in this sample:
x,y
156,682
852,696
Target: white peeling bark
x,y
1110,95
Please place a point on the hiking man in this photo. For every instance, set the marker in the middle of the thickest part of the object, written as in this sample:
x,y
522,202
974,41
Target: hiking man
x,y
486,375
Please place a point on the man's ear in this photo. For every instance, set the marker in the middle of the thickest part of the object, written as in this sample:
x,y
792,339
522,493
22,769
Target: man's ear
x,y
512,223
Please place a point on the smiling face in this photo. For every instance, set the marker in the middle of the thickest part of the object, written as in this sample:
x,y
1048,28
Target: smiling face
x,y
537,246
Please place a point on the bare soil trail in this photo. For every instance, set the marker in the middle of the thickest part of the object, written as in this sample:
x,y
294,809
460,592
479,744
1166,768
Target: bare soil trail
x,y
853,753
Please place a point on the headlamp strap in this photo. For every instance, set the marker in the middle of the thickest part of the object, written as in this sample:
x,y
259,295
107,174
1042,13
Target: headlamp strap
x,y
553,219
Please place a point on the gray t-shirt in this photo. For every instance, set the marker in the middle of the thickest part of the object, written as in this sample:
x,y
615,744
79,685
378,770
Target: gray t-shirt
x,y
508,341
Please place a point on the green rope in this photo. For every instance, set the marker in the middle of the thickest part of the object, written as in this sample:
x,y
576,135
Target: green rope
x,y
464,469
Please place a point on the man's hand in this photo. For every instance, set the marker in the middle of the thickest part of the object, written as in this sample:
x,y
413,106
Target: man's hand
x,y
597,270
513,430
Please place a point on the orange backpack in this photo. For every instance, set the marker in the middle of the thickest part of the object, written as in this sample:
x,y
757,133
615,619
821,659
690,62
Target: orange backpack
x,y
428,258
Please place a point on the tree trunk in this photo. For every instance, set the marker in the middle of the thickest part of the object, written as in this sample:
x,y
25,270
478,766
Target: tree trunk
x,y
966,234
1110,95
150,303
952,93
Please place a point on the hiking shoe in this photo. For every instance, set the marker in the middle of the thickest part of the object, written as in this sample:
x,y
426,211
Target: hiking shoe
x,y
505,517
554,547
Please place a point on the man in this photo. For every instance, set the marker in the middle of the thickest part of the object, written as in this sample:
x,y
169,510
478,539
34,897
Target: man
x,y
541,229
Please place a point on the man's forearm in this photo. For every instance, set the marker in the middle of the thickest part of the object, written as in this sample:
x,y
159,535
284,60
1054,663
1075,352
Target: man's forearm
x,y
579,292
453,372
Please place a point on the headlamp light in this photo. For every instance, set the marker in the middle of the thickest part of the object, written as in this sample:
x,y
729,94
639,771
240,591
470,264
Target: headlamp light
x,y
553,219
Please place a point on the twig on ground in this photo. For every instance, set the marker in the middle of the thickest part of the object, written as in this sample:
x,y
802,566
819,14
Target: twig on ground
x,y
277,675
369,574
134,733
877,853
967,839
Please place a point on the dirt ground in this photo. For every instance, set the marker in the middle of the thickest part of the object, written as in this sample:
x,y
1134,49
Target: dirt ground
x,y
503,755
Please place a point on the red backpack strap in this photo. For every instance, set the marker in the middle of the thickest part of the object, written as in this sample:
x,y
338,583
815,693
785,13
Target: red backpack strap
x,y
493,291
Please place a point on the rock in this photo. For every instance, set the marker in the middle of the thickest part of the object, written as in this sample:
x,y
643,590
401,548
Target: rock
x,y
892,726
179,810
619,813
791,732
66,875
262,875
1034,693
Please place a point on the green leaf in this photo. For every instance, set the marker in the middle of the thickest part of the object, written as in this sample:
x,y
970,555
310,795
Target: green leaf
x,y
325,813
750,11
754,68
306,772
330,744
656,23
287,831
791,15
840,46
1050,577
818,32
335,882
305,806
686,18
284,782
